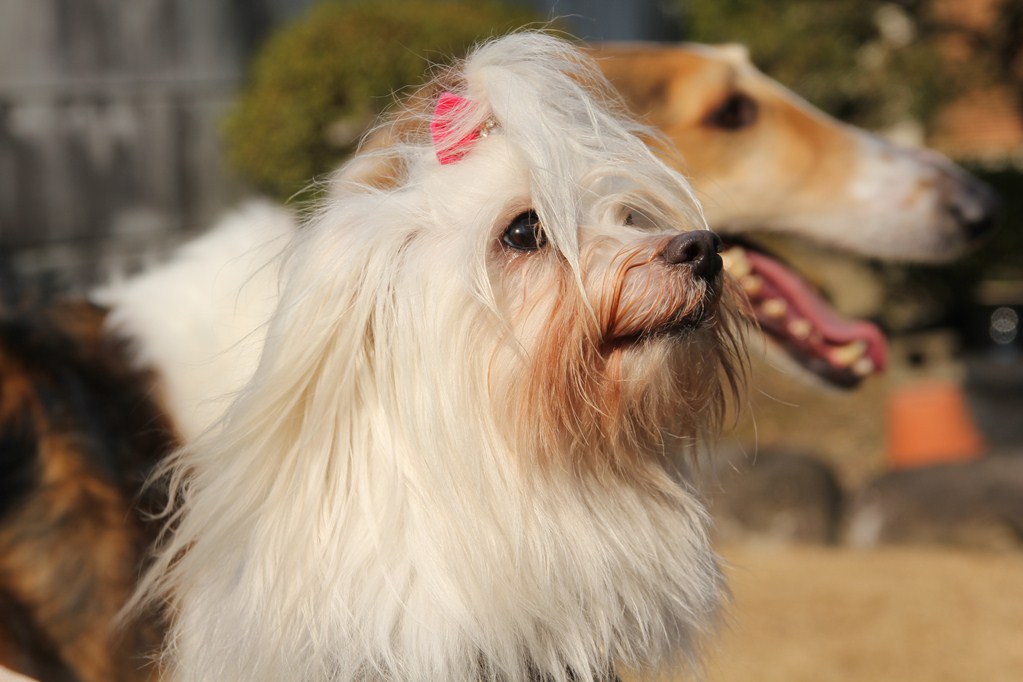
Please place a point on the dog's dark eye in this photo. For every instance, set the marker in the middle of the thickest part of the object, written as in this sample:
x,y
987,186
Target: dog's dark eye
x,y
736,112
525,233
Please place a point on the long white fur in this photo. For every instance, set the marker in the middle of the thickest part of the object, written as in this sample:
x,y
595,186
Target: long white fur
x,y
200,319
364,510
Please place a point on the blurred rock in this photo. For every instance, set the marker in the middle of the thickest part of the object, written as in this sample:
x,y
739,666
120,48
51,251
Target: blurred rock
x,y
973,504
774,497
994,385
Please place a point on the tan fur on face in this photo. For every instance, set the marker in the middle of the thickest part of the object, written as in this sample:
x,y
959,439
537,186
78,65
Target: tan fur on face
x,y
608,362
789,160
643,294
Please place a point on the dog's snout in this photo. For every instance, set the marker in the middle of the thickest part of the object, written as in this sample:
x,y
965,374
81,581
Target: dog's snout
x,y
698,249
969,201
975,207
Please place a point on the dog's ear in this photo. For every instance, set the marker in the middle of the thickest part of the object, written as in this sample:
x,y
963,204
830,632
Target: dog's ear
x,y
646,94
643,87
736,53
371,166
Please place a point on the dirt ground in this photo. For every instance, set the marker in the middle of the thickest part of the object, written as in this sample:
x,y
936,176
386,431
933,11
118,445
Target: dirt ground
x,y
894,615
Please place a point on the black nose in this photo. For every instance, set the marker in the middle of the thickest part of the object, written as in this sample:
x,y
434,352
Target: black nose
x,y
976,208
698,249
971,202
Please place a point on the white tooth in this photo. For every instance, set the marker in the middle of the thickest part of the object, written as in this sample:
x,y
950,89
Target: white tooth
x,y
852,352
863,367
800,328
750,284
774,307
735,262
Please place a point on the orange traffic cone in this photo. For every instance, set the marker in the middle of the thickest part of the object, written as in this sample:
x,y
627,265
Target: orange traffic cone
x,y
929,423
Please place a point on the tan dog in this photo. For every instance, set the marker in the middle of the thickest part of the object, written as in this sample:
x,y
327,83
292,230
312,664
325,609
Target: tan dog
x,y
763,160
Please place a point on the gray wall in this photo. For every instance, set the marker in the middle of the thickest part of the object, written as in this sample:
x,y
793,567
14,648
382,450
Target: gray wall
x,y
109,112
610,20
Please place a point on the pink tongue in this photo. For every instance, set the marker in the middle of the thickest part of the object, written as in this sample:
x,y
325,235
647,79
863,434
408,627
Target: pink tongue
x,y
835,329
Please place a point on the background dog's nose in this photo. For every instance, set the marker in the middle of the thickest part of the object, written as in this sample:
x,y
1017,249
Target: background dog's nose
x,y
970,202
973,204
698,249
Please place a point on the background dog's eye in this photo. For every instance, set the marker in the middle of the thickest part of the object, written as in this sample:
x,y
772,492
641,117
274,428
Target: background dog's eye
x,y
736,112
525,233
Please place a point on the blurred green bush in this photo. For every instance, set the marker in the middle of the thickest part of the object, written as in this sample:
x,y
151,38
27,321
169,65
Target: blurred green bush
x,y
873,63
319,82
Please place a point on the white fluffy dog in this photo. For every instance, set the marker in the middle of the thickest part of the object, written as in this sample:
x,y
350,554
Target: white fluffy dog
x,y
458,458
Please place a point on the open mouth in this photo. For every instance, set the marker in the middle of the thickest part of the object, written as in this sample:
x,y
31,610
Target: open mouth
x,y
793,313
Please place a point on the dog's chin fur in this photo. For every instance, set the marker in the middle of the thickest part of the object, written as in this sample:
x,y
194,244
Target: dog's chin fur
x,y
457,461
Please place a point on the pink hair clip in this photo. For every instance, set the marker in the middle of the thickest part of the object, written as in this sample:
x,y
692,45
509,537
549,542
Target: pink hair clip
x,y
445,115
